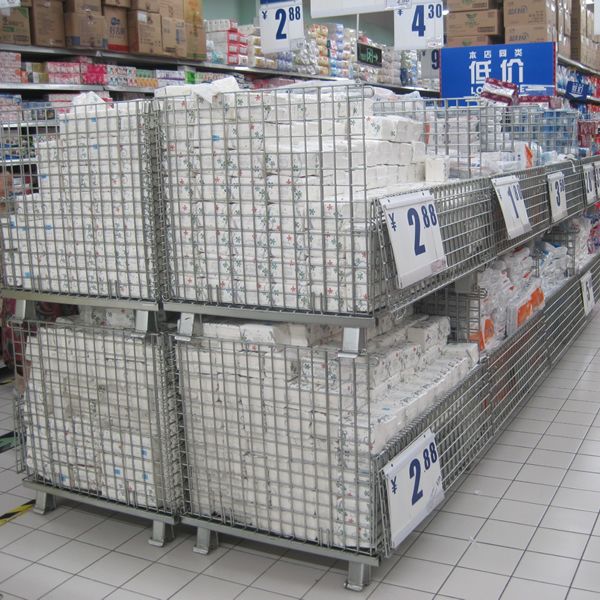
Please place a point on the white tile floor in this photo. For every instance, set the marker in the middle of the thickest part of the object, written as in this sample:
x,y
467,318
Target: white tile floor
x,y
523,525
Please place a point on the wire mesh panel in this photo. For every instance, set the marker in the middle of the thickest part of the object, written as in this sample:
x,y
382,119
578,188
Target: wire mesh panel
x,y
269,196
564,319
535,194
86,226
462,426
516,369
99,415
464,214
574,186
280,438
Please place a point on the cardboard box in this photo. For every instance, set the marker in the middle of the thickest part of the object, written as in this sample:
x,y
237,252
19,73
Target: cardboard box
x,y
73,6
14,26
149,6
172,9
482,22
119,3
145,32
196,41
85,30
474,40
193,12
26,3
173,37
530,33
47,23
518,13
116,23
564,46
469,5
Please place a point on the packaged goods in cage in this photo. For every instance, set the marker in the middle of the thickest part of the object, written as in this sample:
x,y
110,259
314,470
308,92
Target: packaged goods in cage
x,y
99,415
478,138
89,227
270,194
281,438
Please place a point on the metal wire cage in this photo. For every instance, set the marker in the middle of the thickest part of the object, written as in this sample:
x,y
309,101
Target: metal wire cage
x,y
269,197
99,414
85,222
281,438
482,139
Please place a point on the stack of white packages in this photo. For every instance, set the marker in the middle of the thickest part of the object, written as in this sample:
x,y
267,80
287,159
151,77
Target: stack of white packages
x,y
89,228
281,437
270,193
94,414
554,265
584,246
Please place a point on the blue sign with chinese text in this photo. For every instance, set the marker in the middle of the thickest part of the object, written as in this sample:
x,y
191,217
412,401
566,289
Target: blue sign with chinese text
x,y
530,66
576,90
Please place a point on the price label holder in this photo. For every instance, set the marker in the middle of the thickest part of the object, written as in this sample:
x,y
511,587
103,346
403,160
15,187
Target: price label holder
x,y
398,3
558,196
416,237
587,291
419,27
512,203
589,182
414,486
281,25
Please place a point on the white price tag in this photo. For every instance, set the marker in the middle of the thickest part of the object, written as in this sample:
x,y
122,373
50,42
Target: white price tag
x,y
419,27
558,196
512,203
10,3
281,25
589,182
597,174
414,230
414,486
398,3
430,63
587,291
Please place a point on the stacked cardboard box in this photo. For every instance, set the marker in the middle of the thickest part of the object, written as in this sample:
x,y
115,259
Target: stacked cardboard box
x,y
473,22
14,26
584,43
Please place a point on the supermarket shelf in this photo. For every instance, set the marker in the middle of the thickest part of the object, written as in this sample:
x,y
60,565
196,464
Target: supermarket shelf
x,y
167,61
50,87
127,89
569,62
589,100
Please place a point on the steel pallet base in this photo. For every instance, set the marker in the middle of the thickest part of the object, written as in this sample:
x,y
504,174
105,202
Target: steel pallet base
x,y
162,524
359,566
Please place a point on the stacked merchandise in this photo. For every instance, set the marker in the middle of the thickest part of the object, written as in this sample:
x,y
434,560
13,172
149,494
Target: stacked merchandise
x,y
10,67
67,238
281,431
584,41
399,67
226,44
98,415
342,50
473,23
10,108
532,21
268,203
32,72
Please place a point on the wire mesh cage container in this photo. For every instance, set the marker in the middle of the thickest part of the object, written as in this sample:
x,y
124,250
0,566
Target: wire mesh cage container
x,y
98,416
85,223
281,437
477,138
270,196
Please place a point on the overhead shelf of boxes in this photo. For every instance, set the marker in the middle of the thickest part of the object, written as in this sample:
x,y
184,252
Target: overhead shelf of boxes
x,y
249,354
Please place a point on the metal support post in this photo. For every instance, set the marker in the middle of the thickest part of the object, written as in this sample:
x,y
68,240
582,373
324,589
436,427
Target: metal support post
x,y
161,533
44,503
353,342
359,576
185,327
206,540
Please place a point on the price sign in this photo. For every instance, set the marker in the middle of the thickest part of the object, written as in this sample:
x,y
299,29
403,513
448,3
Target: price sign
x,y
414,230
589,183
419,27
597,174
281,25
558,196
414,486
512,203
587,291
430,63
398,3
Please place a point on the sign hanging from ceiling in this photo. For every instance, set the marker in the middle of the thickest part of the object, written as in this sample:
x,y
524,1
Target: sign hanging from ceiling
x,y
532,67
419,27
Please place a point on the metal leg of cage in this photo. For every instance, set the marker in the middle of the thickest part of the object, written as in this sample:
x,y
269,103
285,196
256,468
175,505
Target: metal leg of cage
x,y
353,342
206,540
359,576
44,503
162,533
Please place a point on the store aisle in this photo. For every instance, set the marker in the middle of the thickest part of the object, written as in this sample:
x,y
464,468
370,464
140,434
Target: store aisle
x,y
524,524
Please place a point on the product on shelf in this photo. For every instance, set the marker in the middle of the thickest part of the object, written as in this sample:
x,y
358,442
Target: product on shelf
x,y
280,431
10,67
14,26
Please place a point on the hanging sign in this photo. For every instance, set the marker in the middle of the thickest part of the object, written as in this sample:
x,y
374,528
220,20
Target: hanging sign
x,y
419,27
281,25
